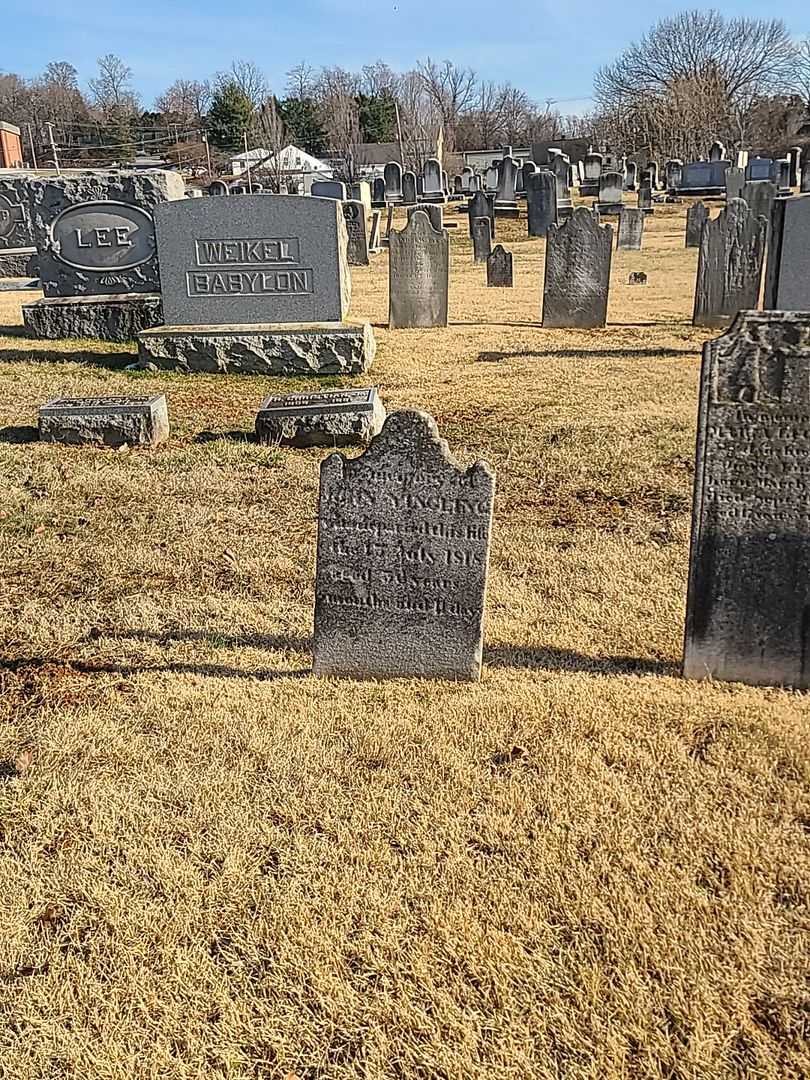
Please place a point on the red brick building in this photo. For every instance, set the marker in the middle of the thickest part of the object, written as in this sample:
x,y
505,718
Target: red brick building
x,y
10,147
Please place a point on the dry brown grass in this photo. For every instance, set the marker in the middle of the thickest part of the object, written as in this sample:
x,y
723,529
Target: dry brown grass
x,y
214,865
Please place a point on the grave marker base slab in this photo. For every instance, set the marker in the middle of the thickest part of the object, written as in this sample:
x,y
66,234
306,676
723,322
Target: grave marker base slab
x,y
105,318
263,349
333,418
18,262
105,421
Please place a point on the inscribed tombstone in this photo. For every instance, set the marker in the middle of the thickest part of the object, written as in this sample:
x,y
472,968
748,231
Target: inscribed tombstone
x,y
541,202
499,268
578,256
696,217
354,216
729,272
419,271
482,239
631,229
403,552
787,277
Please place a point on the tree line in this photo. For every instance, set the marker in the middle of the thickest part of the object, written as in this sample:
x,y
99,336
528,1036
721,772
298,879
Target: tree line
x,y
693,77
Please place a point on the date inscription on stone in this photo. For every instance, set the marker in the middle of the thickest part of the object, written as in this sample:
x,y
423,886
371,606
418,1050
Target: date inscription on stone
x,y
748,606
403,551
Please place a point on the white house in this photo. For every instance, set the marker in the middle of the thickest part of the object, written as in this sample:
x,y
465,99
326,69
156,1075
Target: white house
x,y
295,167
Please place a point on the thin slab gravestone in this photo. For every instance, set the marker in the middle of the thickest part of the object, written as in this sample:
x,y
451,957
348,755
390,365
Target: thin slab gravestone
x,y
735,181
392,174
482,239
578,255
541,201
329,189
610,193
729,272
696,217
499,268
749,568
480,206
402,558
409,188
631,229
418,275
787,276
435,211
804,187
759,195
645,197
354,215
374,234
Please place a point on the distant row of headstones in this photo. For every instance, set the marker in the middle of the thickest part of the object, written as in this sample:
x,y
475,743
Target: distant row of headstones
x,y
404,531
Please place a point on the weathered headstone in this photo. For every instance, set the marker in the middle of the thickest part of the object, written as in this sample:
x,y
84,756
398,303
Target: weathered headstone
x,y
329,189
432,181
787,276
795,158
561,166
589,186
804,187
419,274
354,216
578,256
218,187
331,418
631,229
696,217
717,151
759,195
435,211
18,253
374,244
673,170
506,197
729,272
257,284
782,178
645,197
482,239
630,176
529,169
735,181
499,268
403,552
467,174
749,569
479,207
760,168
378,192
610,193
105,421
541,202
392,174
409,188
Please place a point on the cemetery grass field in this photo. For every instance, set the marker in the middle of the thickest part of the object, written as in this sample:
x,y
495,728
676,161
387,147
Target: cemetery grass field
x,y
213,864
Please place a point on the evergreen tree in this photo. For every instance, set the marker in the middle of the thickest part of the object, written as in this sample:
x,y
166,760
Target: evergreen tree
x,y
230,116
378,118
303,124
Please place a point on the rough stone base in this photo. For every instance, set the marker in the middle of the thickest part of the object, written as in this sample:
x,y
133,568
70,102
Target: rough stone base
x,y
18,262
107,318
264,349
105,421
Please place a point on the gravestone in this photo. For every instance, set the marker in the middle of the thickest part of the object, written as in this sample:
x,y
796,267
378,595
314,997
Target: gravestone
x,y
787,276
258,284
717,151
479,207
354,216
378,192
467,174
703,178
735,181
331,418
610,193
783,176
673,171
795,158
631,229
560,166
374,244
418,275
541,202
506,196
578,255
759,195
95,236
729,272
328,189
432,181
696,217
637,277
105,421
482,239
749,568
409,188
361,192
529,169
392,174
651,173
402,558
18,253
805,180
589,186
458,189
759,168
218,187
645,198
499,268
630,176
434,211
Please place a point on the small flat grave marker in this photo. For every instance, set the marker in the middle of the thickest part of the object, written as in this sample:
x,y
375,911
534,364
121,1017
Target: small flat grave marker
x,y
499,268
403,552
332,418
99,421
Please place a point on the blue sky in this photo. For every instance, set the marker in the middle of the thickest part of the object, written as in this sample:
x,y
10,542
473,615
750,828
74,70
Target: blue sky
x,y
550,48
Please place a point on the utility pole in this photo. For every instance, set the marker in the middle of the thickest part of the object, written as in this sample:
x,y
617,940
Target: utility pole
x,y
207,151
53,149
33,151
247,164
399,134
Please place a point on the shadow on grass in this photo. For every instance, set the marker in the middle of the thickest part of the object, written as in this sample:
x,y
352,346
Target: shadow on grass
x,y
495,357
40,354
14,330
218,640
219,671
550,659
226,436
16,435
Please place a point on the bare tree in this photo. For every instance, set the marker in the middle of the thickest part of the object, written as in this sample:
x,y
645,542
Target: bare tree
x,y
250,80
112,89
452,90
187,99
270,133
378,80
420,120
801,70
302,82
